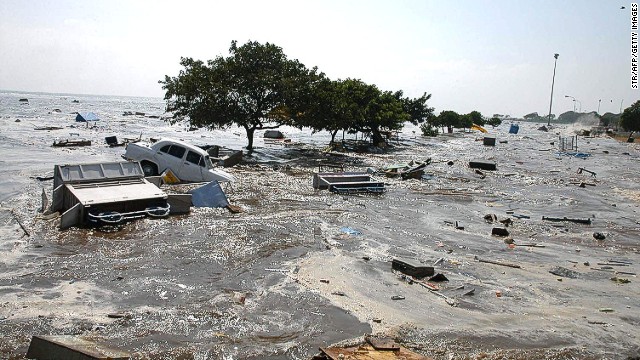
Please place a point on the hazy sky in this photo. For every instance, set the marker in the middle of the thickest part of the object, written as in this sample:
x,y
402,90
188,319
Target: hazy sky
x,y
491,56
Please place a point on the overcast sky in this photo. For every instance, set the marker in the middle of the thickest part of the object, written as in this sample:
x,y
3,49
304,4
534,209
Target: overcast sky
x,y
491,56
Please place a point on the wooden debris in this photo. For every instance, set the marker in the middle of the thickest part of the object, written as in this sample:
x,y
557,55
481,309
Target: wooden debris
x,y
532,245
382,343
499,231
613,264
470,292
367,352
564,272
578,221
482,164
71,347
429,287
72,143
20,223
498,263
410,269
619,261
625,273
581,170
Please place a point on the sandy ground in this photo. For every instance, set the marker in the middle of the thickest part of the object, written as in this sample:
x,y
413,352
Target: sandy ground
x,y
280,279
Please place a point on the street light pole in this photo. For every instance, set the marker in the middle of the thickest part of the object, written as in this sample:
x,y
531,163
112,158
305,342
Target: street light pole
x,y
599,106
574,102
553,80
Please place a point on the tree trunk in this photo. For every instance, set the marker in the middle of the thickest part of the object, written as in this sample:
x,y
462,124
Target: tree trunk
x,y
378,140
333,136
250,132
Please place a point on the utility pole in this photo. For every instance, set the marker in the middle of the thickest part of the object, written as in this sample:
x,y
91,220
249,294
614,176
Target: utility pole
x,y
553,80
599,106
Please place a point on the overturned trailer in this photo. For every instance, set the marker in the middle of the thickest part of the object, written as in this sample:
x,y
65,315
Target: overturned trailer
x,y
347,183
105,193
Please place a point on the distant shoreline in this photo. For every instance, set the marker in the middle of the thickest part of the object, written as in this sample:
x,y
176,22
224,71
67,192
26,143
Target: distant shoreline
x,y
21,92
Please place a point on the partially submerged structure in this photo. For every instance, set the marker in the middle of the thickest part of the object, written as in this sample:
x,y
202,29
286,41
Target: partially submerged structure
x,y
347,183
223,156
412,170
105,193
275,137
273,134
71,347
71,143
372,348
86,117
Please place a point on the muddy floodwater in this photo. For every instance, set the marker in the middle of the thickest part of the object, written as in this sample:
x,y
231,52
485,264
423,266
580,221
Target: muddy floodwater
x,y
298,268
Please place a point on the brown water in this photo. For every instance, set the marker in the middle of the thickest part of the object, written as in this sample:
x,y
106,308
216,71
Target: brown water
x,y
217,285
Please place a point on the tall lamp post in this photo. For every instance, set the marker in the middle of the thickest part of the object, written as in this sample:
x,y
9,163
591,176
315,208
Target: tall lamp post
x,y
599,106
579,105
553,80
574,101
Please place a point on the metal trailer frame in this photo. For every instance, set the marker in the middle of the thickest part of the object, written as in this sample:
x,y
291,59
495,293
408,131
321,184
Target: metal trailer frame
x,y
348,183
105,193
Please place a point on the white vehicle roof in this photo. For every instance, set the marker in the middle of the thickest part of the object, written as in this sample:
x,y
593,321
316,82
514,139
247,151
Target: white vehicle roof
x,y
166,141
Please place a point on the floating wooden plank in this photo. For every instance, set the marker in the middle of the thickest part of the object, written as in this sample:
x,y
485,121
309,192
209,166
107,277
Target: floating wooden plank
x,y
482,164
72,143
20,223
50,347
367,352
410,269
382,343
499,263
586,221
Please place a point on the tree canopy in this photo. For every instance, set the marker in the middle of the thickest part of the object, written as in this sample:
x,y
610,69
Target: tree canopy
x,y
630,118
352,105
256,87
447,118
494,121
610,119
476,118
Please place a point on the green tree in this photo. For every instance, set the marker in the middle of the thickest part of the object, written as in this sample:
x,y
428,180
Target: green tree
x,y
449,119
417,108
532,117
630,118
386,112
494,121
373,110
333,107
568,117
476,118
610,119
353,105
256,87
428,129
464,121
